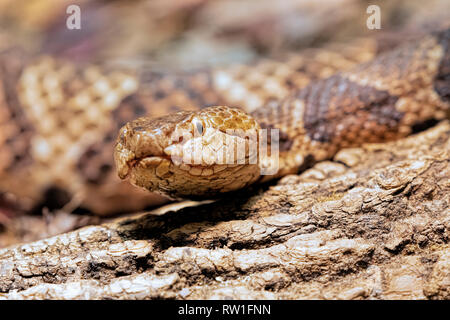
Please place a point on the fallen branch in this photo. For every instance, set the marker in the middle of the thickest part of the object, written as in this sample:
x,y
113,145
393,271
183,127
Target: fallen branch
x,y
374,223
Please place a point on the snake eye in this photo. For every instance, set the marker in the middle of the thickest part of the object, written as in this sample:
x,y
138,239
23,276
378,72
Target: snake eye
x,y
199,127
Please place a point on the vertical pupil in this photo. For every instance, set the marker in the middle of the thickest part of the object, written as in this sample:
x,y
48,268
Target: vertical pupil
x,y
199,127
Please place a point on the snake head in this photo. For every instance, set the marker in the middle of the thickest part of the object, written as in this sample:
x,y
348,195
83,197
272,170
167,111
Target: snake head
x,y
190,154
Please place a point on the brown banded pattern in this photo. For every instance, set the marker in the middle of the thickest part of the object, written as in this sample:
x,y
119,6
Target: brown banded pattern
x,y
68,114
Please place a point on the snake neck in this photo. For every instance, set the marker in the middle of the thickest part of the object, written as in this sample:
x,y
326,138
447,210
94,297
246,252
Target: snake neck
x,y
378,101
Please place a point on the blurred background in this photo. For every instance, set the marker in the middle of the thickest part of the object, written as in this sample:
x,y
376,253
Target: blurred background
x,y
184,35
194,33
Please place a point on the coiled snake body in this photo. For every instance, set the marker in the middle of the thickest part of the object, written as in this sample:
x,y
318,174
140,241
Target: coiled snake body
x,y
376,101
58,122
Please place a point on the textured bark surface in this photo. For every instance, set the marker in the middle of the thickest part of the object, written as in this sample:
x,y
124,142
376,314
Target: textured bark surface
x,y
374,223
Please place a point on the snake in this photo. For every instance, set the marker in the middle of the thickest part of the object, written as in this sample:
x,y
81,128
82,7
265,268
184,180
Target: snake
x,y
208,152
79,133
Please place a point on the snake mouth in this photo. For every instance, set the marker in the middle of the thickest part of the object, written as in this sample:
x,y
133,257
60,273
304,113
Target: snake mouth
x,y
126,160
147,161
171,176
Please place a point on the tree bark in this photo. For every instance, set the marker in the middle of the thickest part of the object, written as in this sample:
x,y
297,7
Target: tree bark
x,y
374,223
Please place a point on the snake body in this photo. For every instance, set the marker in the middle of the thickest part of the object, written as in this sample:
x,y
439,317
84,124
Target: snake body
x,y
376,101
59,121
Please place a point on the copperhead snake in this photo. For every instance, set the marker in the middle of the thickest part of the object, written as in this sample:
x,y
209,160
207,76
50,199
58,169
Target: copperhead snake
x,y
377,101
59,121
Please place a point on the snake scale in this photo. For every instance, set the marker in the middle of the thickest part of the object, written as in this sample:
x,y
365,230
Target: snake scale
x,y
59,121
